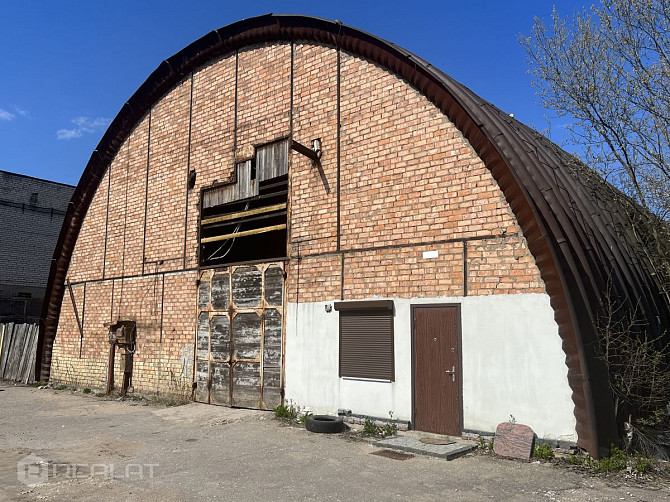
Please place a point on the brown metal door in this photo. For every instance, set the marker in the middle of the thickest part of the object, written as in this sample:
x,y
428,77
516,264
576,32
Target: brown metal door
x,y
437,403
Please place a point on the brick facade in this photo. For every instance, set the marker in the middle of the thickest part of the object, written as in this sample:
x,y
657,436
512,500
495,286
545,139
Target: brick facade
x,y
397,176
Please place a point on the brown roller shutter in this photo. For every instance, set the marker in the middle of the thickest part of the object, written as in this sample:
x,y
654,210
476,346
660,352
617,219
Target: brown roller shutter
x,y
366,344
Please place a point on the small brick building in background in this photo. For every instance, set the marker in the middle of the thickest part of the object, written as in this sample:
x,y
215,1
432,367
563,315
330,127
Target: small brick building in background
x,y
31,216
291,209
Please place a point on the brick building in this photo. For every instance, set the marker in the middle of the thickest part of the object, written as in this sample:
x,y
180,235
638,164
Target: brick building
x,y
292,209
31,215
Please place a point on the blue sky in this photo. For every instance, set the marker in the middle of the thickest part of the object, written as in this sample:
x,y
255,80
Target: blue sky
x,y
68,66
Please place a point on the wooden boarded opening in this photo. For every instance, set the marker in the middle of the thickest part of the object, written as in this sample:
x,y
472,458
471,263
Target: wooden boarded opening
x,y
239,337
246,220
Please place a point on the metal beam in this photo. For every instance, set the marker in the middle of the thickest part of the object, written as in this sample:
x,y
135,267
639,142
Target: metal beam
x,y
76,312
307,152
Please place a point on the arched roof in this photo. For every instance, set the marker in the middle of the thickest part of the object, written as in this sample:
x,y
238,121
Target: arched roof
x,y
576,225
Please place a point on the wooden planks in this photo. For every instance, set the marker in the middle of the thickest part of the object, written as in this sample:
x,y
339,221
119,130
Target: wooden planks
x,y
271,161
246,186
18,350
245,233
244,214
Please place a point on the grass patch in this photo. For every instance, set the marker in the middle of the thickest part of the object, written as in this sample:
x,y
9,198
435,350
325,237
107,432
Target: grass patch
x,y
169,401
643,465
575,460
617,461
543,451
154,400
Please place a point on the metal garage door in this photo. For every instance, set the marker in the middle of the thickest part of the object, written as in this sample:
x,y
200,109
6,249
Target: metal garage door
x,y
239,336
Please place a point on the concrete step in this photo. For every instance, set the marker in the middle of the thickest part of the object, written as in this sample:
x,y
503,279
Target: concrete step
x,y
413,444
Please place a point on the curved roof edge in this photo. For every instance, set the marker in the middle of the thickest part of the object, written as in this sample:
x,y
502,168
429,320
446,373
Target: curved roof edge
x,y
573,234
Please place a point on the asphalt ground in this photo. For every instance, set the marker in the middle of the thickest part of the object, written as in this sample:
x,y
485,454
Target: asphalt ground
x,y
63,445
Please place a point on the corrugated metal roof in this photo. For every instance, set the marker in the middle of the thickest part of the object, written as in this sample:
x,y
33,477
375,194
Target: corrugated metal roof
x,y
577,226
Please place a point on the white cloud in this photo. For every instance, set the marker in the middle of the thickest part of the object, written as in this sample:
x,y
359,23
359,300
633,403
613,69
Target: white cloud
x,y
68,133
83,125
5,115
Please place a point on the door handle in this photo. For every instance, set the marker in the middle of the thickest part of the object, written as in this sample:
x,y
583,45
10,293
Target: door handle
x,y
452,373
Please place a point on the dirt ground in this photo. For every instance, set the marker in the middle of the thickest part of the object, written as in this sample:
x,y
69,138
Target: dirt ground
x,y
58,445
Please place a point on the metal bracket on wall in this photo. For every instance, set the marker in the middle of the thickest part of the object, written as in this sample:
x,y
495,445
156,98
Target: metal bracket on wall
x,y
312,153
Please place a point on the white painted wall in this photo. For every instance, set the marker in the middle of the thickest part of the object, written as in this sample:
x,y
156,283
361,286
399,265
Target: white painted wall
x,y
512,364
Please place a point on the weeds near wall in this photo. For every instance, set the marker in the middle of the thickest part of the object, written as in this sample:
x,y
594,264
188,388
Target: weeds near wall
x,y
369,427
291,413
387,429
485,445
180,385
618,461
287,412
67,379
543,451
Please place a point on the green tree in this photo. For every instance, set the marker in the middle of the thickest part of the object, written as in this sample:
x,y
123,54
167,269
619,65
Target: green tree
x,y
608,68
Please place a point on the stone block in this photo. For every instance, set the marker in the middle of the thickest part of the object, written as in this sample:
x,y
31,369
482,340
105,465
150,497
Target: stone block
x,y
514,441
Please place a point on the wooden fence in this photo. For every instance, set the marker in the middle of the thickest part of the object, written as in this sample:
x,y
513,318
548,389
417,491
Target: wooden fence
x,y
18,349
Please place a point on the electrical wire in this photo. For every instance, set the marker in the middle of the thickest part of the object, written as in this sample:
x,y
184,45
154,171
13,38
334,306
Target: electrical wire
x,y
232,242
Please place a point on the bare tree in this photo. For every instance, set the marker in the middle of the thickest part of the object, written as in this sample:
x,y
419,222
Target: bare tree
x,y
638,372
608,68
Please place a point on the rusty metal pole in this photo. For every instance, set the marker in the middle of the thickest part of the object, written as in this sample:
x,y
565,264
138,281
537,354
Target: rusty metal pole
x,y
110,369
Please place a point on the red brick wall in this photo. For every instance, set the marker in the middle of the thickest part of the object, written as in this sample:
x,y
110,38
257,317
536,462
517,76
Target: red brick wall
x,y
263,96
166,201
116,211
136,192
212,142
88,255
313,190
404,273
96,347
141,299
502,266
179,321
314,278
409,183
408,173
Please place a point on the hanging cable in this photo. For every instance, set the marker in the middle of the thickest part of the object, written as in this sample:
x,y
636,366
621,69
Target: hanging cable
x,y
231,242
